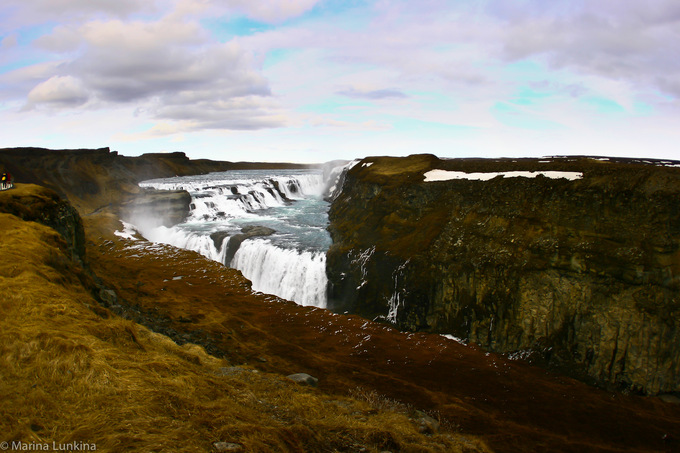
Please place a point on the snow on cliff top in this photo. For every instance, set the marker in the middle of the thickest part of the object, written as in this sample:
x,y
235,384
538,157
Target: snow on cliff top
x,y
445,175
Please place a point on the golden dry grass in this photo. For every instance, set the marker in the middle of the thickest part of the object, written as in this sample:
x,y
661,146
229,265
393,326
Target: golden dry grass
x,y
69,375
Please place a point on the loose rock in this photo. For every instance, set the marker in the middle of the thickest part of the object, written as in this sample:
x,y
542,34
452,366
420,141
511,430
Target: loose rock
x,y
304,379
227,446
426,424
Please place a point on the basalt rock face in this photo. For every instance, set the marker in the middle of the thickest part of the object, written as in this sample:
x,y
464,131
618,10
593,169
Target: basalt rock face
x,y
583,274
42,205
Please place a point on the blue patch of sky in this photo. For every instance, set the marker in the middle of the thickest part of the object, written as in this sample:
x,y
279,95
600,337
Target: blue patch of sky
x,y
27,35
276,56
344,13
225,29
336,8
604,105
509,115
18,64
525,68
23,54
642,108
528,96
336,104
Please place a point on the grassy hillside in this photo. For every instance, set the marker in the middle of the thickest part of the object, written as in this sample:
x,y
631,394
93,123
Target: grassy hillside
x,y
511,406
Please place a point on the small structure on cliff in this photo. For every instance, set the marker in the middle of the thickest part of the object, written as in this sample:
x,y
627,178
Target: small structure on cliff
x,y
6,181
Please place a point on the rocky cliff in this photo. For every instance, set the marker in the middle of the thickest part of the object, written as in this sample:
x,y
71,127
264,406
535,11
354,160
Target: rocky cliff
x,y
42,205
581,273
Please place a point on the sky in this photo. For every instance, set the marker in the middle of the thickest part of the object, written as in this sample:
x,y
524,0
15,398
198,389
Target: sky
x,y
318,80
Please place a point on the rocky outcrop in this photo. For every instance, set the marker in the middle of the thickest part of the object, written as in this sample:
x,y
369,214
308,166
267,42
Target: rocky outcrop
x,y
152,208
42,205
236,240
583,274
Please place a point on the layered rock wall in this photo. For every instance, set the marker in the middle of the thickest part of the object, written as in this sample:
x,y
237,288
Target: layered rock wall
x,y
42,205
583,274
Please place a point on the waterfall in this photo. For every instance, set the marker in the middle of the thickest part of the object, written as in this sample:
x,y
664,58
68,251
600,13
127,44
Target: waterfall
x,y
291,274
285,264
184,239
214,198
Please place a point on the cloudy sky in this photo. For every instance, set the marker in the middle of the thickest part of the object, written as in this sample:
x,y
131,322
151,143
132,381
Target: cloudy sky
x,y
315,80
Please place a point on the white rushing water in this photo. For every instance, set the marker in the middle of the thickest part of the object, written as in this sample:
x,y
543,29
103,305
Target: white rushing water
x,y
288,273
291,262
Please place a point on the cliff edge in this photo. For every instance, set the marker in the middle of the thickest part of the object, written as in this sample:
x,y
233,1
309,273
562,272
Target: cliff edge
x,y
574,262
42,205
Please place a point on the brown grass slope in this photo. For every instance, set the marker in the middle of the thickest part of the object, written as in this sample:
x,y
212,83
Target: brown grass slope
x,y
72,372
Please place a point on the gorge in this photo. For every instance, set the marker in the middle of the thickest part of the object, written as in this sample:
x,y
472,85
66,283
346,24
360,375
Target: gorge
x,y
571,263
187,343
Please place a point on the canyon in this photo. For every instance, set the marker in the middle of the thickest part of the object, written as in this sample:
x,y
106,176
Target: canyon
x,y
185,342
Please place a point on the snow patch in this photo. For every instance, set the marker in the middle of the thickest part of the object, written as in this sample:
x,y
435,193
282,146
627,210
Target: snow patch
x,y
446,175
456,339
128,232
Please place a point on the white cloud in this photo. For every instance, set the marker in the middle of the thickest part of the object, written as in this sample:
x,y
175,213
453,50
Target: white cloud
x,y
620,40
23,13
168,68
62,39
59,92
